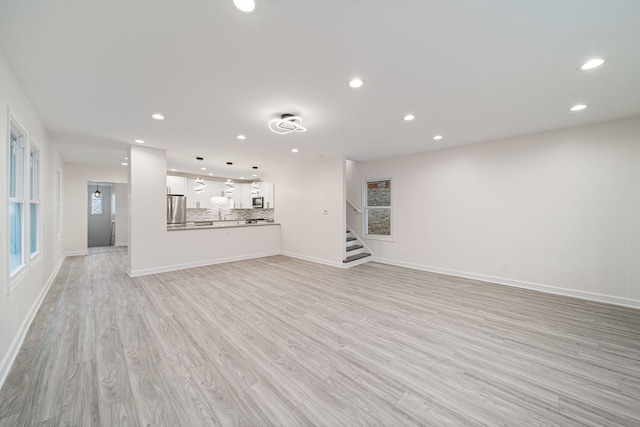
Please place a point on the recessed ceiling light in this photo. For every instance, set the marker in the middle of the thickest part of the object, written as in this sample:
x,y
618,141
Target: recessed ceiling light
x,y
139,141
356,83
437,137
242,177
592,63
294,150
124,164
157,116
242,137
578,107
210,174
254,174
228,180
203,169
409,117
245,5
172,170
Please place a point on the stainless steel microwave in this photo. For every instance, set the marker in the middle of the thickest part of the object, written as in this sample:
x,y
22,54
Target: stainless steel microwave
x,y
258,202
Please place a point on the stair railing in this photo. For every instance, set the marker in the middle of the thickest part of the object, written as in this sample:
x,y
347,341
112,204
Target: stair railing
x,y
354,206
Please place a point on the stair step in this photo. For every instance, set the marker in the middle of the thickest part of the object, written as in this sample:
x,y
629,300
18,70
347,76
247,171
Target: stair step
x,y
350,239
354,247
356,257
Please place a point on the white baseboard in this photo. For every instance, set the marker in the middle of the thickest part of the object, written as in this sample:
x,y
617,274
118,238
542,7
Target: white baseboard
x,y
313,259
590,296
77,253
14,348
164,269
121,244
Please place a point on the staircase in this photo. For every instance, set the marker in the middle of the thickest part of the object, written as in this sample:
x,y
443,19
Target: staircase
x,y
356,253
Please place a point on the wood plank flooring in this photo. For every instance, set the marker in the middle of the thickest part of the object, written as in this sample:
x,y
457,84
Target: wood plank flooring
x,y
283,342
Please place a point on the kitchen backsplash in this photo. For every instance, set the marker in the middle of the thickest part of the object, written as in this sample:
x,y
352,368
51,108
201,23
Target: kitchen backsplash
x,y
209,214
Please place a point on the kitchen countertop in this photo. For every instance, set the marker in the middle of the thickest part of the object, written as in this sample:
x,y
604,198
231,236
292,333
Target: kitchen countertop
x,y
223,223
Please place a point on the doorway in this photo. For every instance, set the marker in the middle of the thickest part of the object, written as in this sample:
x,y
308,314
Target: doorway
x,y
101,214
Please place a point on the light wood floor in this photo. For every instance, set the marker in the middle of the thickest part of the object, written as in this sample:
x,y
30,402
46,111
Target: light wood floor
x,y
283,342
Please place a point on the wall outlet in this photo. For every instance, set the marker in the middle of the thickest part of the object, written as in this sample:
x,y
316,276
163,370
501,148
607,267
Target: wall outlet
x,y
505,266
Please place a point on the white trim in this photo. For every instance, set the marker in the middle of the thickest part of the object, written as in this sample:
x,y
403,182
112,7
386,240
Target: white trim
x,y
313,259
77,253
365,187
146,271
14,348
549,289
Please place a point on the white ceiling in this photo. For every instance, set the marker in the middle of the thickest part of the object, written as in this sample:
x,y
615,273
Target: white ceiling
x,y
468,69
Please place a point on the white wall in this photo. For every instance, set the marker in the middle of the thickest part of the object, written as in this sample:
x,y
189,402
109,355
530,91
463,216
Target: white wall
x,y
75,218
560,208
302,193
153,249
122,215
18,308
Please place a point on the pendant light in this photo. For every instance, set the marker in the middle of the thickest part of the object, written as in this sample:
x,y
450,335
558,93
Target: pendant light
x,y
97,192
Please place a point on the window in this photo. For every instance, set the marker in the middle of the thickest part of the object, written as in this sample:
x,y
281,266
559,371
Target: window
x,y
378,208
34,200
17,139
96,204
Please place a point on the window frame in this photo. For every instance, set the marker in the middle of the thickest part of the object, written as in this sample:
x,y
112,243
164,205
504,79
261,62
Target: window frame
x,y
35,256
58,203
16,131
366,207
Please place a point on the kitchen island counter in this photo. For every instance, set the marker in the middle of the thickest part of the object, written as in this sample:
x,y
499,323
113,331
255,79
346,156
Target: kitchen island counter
x,y
199,225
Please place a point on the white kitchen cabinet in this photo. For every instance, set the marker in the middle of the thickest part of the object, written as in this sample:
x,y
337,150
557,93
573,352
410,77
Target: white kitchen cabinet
x,y
216,188
176,184
196,200
242,196
266,191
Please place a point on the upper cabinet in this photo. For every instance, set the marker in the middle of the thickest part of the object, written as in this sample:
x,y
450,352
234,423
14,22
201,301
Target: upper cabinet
x,y
197,199
216,188
265,190
242,196
176,184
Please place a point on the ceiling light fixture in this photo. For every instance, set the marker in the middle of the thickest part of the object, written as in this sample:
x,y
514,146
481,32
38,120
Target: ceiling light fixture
x,y
199,185
254,174
172,170
592,63
409,117
203,169
437,137
356,83
157,116
578,107
242,177
124,164
241,137
96,193
139,141
245,6
210,174
287,123
294,150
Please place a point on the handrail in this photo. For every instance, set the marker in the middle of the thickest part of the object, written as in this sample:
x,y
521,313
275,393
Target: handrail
x,y
354,206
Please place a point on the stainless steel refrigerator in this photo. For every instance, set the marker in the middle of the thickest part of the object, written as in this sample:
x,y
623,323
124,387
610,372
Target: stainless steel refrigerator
x,y
176,209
